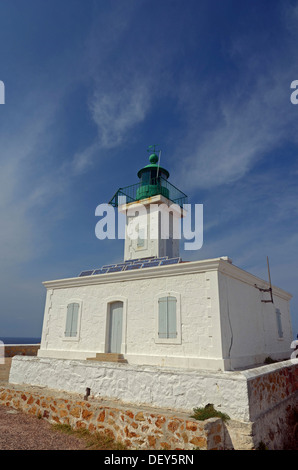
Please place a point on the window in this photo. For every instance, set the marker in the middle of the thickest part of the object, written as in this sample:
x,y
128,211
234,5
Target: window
x,y
279,325
72,317
168,326
141,238
167,318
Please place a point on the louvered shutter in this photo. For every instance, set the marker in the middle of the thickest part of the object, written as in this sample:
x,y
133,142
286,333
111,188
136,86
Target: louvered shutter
x,y
75,316
171,317
72,320
68,320
162,317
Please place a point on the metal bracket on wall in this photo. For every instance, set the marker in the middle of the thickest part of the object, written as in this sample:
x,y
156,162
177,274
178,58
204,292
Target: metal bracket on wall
x,y
269,289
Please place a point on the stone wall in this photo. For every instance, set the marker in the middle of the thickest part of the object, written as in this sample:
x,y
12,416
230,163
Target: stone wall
x,y
162,387
262,402
12,350
137,428
273,398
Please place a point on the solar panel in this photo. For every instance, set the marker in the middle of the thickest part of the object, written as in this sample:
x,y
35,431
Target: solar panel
x,y
132,260
170,261
133,266
99,271
151,264
130,265
86,273
115,269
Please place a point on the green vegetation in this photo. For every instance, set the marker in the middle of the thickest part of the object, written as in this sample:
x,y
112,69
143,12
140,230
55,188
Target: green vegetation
x,y
208,412
94,441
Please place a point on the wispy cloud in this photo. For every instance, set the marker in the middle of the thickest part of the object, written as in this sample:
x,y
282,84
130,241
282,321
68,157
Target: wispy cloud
x,y
249,119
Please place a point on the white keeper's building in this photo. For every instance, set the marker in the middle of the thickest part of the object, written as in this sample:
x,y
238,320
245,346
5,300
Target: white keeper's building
x,y
154,309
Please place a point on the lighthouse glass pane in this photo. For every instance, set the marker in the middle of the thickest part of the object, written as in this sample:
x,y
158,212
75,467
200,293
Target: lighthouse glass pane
x,y
146,178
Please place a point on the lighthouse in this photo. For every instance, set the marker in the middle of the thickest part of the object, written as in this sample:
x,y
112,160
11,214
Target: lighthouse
x,y
153,208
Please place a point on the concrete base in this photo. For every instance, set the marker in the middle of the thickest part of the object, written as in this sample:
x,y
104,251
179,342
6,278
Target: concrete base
x,y
261,402
108,357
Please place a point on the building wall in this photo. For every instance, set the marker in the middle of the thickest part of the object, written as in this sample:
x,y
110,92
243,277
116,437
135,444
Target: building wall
x,y
197,311
249,326
221,321
159,220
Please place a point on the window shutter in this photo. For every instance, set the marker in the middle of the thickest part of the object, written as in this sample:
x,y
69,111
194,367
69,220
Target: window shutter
x,y
167,323
75,315
172,327
162,317
72,320
279,325
68,320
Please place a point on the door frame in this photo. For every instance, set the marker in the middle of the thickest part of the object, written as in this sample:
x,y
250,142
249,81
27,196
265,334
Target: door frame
x,y
108,302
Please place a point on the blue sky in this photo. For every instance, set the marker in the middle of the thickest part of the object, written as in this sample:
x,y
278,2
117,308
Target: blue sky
x,y
91,84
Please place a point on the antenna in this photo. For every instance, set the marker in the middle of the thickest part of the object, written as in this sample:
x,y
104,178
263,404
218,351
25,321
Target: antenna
x,y
270,286
158,164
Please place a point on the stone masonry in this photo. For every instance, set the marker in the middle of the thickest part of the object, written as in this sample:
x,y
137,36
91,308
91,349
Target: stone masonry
x,y
137,428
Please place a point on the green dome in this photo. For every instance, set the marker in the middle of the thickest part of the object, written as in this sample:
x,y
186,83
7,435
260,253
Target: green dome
x,y
154,165
153,158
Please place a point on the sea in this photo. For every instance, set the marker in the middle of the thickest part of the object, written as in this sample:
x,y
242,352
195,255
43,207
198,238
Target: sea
x,y
19,340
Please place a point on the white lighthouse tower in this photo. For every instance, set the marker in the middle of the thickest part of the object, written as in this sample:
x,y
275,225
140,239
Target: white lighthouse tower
x,y
153,208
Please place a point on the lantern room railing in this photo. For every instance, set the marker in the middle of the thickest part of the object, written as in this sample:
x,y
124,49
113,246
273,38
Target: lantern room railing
x,y
155,186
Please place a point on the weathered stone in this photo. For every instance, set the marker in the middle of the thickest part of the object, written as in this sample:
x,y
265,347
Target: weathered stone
x,y
92,428
101,416
191,426
86,414
151,441
30,400
160,421
173,426
165,446
75,412
63,413
80,425
217,439
198,441
139,416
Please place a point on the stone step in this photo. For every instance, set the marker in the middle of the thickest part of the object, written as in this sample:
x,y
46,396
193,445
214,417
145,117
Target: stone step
x,y
108,357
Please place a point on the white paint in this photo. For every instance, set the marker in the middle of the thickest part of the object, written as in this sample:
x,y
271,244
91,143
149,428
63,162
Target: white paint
x,y
222,323
175,389
141,385
157,221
